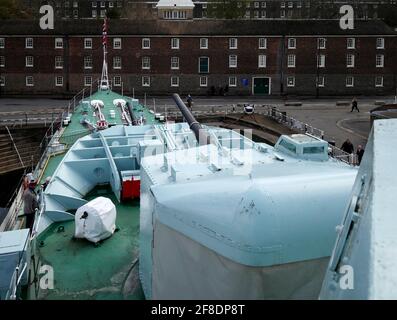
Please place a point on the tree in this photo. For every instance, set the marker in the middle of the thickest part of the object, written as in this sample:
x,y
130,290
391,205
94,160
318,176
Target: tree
x,y
226,9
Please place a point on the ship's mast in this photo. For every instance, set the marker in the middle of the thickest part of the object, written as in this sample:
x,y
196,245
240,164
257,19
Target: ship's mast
x,y
104,84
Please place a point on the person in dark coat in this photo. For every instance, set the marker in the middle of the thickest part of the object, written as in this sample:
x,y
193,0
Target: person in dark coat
x,y
189,101
354,105
30,203
347,147
360,153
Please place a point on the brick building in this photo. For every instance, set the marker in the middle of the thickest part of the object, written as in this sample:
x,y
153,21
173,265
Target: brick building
x,y
256,57
269,9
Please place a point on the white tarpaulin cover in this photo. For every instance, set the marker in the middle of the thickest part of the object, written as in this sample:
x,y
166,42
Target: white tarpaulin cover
x,y
96,220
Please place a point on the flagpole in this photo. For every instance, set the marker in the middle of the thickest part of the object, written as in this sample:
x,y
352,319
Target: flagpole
x,y
104,78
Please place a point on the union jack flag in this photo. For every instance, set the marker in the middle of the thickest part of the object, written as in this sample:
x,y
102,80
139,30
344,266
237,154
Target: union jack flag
x,y
105,32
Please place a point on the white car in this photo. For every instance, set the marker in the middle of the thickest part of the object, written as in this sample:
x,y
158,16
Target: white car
x,y
249,108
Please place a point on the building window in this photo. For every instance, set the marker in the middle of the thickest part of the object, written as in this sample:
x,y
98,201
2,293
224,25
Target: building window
x,y
174,81
58,62
145,81
204,64
94,14
119,4
262,61
146,63
116,62
203,43
291,43
291,59
2,61
290,81
262,43
350,60
29,81
66,4
87,43
2,81
93,3
29,43
321,43
29,61
380,60
145,43
320,81
103,4
203,81
58,81
174,63
87,62
2,43
232,61
321,61
263,4
103,13
232,81
379,81
282,13
380,43
111,5
58,43
117,81
351,43
233,43
349,81
117,43
87,81
174,43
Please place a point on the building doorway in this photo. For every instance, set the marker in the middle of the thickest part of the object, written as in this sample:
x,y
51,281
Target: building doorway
x,y
261,86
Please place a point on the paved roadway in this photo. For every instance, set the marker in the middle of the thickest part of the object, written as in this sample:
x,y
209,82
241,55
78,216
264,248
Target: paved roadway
x,y
337,121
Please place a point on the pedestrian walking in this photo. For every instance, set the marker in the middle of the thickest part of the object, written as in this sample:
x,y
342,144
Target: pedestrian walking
x,y
360,153
354,105
189,101
347,147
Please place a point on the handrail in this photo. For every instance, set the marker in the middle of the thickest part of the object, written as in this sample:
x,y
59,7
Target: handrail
x,y
15,146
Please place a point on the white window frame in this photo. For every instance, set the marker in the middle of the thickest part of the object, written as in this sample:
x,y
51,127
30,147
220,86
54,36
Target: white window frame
x,y
321,43
208,59
2,43
382,61
291,61
320,84
233,43
146,63
262,43
379,85
116,83
87,62
117,63
350,60
351,43
145,41
58,62
29,61
382,43
202,84
94,13
291,43
86,42
58,84
175,43
145,83
262,61
87,81
233,61
291,84
58,43
205,45
93,4
2,61
177,81
27,83
2,81
234,82
321,60
174,63
350,84
111,4
28,43
117,43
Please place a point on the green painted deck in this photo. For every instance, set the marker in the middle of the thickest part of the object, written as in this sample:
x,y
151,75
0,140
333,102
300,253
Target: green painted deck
x,y
84,271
